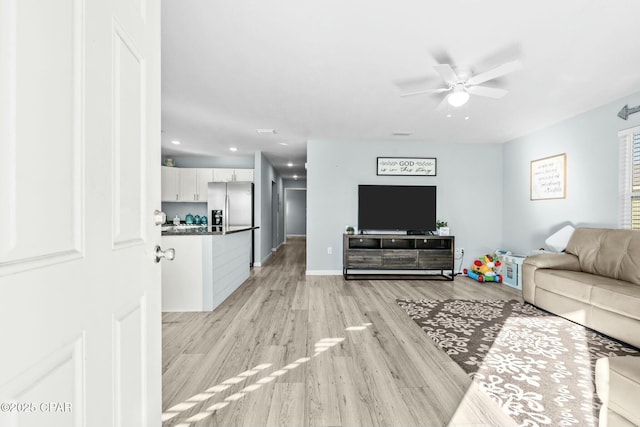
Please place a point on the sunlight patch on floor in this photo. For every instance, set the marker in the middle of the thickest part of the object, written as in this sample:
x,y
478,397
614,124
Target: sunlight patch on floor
x,y
320,346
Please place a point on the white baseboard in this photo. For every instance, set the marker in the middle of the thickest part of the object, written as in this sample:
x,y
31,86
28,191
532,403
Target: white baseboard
x,y
264,260
324,272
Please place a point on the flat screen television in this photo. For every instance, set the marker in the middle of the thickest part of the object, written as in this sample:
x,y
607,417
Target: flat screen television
x,y
397,207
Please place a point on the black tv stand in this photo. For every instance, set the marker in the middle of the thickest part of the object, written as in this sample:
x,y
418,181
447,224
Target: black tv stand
x,y
386,254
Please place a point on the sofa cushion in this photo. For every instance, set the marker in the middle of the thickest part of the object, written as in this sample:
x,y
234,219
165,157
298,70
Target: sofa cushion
x,y
622,298
607,252
571,284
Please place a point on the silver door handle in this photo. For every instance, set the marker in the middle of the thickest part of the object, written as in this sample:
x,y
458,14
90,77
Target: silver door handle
x,y
169,254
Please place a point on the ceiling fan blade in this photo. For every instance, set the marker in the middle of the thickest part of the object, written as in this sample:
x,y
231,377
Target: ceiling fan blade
x,y
489,92
443,104
447,73
420,92
500,71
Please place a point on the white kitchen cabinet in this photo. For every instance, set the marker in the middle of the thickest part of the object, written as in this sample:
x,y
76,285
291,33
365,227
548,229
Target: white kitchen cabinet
x,y
203,178
170,183
228,175
188,185
223,175
194,183
244,175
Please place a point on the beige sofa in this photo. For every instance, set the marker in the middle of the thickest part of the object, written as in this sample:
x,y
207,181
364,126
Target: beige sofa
x,y
597,283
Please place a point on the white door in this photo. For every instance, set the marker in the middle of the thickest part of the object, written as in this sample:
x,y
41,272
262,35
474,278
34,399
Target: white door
x,y
79,182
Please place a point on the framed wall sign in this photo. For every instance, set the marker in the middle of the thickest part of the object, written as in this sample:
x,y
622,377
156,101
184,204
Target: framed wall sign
x,y
549,178
407,166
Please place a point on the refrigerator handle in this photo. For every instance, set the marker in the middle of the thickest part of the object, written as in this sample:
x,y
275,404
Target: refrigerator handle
x,y
226,210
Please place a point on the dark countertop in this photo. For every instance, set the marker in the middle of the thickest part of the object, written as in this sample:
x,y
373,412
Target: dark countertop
x,y
208,230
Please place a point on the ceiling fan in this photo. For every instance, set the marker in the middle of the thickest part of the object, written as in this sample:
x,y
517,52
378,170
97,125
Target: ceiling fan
x,y
461,84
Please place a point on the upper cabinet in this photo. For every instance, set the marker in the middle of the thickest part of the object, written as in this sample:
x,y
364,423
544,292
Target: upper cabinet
x,y
188,185
170,182
191,184
203,178
227,175
244,175
223,175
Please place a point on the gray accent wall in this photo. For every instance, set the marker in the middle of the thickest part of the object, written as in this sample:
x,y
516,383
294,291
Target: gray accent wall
x,y
590,141
264,175
289,183
171,209
295,211
469,196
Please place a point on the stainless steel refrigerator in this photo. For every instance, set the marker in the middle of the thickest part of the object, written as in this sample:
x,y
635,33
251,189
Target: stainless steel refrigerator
x,y
230,204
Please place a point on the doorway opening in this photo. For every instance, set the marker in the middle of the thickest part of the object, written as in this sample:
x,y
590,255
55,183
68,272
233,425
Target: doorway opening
x,y
295,212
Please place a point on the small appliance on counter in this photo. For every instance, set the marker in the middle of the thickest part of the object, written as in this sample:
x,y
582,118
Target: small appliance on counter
x,y
216,220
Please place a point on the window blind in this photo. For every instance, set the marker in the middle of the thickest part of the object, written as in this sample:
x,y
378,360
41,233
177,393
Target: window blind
x,y
629,178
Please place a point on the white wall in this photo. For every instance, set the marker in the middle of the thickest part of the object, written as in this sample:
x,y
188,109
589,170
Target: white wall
x,y
591,143
469,185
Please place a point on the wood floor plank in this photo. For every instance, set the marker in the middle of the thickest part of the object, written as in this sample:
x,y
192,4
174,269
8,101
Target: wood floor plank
x,y
287,405
382,371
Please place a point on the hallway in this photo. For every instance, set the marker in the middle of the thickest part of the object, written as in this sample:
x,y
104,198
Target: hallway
x,y
293,350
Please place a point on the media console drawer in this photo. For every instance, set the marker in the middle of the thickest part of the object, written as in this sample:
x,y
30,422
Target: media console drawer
x,y
435,262
399,259
364,258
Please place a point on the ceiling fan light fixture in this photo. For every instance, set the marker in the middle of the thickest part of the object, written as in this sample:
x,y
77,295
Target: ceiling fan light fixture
x,y
458,97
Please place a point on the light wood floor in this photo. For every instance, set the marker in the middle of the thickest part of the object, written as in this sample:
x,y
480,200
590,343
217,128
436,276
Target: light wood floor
x,y
384,371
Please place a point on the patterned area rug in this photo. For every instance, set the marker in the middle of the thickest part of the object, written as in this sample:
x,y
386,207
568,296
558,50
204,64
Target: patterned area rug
x,y
538,367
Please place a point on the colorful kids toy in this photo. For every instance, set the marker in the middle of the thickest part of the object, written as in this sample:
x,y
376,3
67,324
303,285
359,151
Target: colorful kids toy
x,y
482,270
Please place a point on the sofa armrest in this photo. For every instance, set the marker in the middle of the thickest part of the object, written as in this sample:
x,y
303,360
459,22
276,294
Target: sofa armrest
x,y
553,261
618,387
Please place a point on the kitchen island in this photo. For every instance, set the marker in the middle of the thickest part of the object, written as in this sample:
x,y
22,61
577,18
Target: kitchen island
x,y
210,263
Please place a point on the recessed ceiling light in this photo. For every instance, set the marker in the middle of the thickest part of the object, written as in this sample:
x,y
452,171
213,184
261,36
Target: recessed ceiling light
x,y
295,176
175,142
266,131
403,133
233,149
290,164
283,143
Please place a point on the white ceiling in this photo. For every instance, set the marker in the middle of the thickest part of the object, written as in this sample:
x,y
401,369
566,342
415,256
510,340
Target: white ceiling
x,y
334,70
